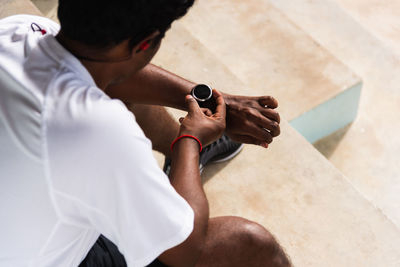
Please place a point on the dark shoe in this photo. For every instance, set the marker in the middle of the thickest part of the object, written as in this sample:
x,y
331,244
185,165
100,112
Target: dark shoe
x,y
221,150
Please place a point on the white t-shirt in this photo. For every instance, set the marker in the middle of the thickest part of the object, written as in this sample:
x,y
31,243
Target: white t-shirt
x,y
73,162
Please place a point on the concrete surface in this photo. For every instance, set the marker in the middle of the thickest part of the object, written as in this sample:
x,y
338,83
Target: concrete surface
x,y
290,188
329,116
47,7
368,152
380,17
273,56
12,7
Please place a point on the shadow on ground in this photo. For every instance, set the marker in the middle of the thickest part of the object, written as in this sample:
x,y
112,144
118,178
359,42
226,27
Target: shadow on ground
x,y
327,146
211,170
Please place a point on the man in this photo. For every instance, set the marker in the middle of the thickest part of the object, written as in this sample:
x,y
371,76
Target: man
x,y
75,164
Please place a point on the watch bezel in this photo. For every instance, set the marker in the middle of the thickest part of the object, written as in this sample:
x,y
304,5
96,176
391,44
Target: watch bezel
x,y
192,92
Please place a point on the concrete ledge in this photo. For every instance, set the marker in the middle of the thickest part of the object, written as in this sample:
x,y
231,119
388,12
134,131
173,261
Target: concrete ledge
x,y
13,7
48,8
329,116
368,154
272,56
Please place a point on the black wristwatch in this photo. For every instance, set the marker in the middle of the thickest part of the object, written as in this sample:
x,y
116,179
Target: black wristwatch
x,y
204,96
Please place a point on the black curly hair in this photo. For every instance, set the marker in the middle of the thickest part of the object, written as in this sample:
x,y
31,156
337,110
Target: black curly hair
x,y
105,23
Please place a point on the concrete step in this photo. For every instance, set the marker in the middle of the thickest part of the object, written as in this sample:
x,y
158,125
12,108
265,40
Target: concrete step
x,y
48,8
380,18
317,93
368,152
290,188
12,7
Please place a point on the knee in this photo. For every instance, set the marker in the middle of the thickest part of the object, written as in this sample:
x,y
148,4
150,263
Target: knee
x,y
262,244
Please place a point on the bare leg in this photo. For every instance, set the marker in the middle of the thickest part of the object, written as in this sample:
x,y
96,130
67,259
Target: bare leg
x,y
157,124
234,241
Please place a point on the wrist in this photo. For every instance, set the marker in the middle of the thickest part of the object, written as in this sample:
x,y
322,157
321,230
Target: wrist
x,y
181,139
187,149
187,131
228,99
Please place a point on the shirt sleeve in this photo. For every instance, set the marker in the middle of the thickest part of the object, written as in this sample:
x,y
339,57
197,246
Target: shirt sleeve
x,y
104,176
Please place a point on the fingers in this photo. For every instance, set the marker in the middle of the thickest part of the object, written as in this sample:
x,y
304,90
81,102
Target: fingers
x,y
192,104
221,108
253,119
246,139
272,126
269,120
260,134
271,114
207,112
268,101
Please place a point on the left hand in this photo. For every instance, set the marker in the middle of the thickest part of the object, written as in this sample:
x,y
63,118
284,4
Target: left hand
x,y
252,120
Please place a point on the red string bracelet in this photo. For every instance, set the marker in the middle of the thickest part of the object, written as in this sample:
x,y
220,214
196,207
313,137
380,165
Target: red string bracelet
x,y
184,136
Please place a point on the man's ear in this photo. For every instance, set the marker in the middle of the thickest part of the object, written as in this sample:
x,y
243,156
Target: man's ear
x,y
146,42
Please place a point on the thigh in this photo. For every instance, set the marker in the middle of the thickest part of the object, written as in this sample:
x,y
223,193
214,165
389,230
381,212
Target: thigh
x,y
157,124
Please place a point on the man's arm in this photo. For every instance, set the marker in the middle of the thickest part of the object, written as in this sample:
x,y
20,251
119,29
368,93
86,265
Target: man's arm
x,y
185,177
252,120
155,86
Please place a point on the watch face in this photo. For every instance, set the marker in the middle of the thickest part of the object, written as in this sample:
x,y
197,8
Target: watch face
x,y
202,92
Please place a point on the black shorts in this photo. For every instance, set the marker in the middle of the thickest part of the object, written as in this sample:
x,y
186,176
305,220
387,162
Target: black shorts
x,y
105,254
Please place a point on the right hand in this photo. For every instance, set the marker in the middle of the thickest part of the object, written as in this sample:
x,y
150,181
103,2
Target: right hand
x,y
203,124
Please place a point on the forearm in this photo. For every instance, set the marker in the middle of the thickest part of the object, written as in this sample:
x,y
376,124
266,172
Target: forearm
x,y
153,85
185,178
